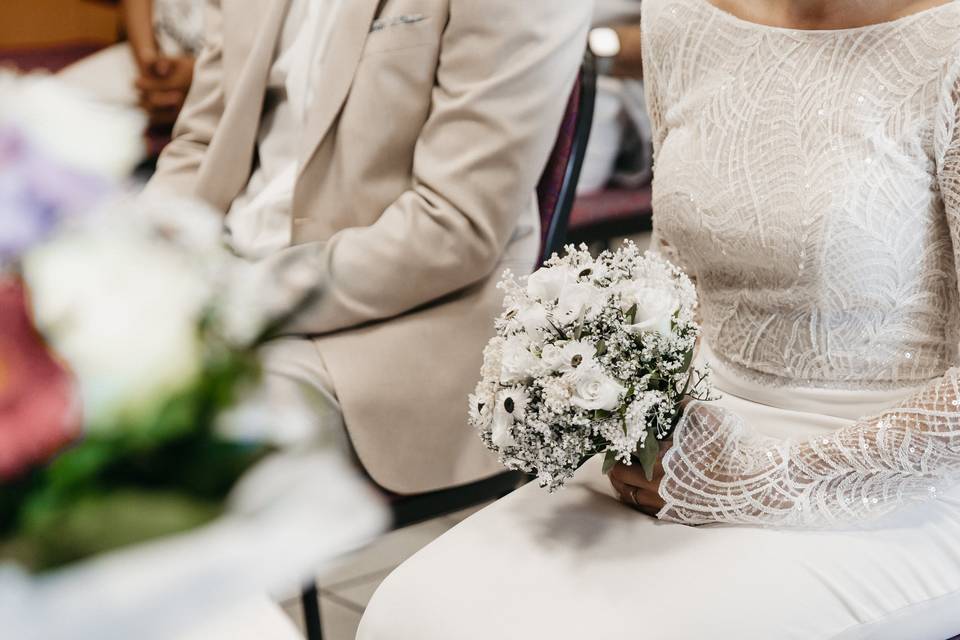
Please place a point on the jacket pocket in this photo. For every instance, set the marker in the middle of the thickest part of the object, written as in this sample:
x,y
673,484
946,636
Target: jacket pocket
x,y
401,32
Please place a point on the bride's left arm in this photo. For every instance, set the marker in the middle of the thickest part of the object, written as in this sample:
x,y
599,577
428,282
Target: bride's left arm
x,y
719,470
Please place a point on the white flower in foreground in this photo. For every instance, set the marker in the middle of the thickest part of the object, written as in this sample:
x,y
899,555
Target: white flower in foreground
x,y
71,126
122,308
188,223
655,307
517,363
593,389
546,283
510,407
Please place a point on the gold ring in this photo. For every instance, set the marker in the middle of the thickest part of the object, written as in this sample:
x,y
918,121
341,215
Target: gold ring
x,y
633,496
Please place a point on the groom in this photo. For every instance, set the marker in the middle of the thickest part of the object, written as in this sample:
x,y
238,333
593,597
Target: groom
x,y
395,146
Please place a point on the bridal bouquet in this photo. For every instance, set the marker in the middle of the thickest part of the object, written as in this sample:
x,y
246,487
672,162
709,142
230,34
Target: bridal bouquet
x,y
591,356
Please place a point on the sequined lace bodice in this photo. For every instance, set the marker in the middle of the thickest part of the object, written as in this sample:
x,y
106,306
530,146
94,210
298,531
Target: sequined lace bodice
x,y
798,178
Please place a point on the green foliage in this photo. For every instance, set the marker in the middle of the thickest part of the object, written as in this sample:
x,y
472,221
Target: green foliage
x,y
132,481
648,454
609,461
98,522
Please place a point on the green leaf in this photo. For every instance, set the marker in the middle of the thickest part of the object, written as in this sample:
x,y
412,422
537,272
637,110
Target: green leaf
x,y
601,347
609,461
581,320
601,414
632,314
648,454
100,522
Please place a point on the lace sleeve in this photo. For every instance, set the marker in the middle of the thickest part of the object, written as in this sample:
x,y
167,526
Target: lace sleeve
x,y
721,470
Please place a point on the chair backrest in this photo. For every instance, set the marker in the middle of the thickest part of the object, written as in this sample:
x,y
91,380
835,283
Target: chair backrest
x,y
558,184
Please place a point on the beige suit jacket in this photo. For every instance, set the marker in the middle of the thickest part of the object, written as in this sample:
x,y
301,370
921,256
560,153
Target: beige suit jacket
x,y
432,124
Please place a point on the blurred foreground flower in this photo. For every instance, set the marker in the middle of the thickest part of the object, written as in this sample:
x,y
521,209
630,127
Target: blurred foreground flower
x,y
38,414
60,153
71,127
123,306
183,492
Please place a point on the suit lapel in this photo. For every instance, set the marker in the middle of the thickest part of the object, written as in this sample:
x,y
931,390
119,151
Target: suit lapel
x,y
226,180
337,69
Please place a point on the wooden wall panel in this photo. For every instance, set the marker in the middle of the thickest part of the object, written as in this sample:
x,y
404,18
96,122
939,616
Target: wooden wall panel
x,y
26,23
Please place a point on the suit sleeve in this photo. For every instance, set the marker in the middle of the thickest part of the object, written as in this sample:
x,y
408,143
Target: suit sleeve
x,y
180,161
504,78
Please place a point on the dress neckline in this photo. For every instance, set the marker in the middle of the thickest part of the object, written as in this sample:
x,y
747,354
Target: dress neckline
x,y
731,17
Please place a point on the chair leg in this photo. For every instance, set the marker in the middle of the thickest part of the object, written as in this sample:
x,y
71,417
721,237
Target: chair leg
x,y
310,598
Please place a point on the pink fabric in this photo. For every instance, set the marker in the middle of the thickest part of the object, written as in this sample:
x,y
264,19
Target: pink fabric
x,y
38,413
608,206
48,58
551,183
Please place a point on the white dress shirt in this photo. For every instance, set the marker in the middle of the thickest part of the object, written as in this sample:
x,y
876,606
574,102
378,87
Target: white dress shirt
x,y
258,223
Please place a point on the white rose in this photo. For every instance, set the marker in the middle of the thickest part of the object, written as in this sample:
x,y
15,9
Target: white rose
x,y
123,310
510,407
655,307
534,321
593,389
546,283
517,363
578,299
552,357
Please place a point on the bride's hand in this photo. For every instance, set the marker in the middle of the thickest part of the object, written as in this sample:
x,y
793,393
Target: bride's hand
x,y
634,489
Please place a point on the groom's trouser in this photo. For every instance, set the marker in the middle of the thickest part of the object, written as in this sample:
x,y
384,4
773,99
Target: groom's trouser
x,y
294,374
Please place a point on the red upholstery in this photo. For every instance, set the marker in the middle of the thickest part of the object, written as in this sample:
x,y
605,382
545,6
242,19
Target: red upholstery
x,y
611,206
552,180
49,58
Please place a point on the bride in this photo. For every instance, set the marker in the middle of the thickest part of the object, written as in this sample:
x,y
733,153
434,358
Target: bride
x,y
808,176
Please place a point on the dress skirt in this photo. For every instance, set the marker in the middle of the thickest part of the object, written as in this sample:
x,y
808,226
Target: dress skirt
x,y
579,565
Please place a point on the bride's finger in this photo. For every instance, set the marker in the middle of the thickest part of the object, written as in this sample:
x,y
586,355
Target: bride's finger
x,y
638,497
621,489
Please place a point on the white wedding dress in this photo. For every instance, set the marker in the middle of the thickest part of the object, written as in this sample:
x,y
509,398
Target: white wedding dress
x,y
810,181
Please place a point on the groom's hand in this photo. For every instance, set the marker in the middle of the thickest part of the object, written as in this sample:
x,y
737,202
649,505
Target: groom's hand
x,y
635,490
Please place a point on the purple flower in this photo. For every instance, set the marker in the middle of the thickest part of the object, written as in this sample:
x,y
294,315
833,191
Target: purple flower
x,y
37,193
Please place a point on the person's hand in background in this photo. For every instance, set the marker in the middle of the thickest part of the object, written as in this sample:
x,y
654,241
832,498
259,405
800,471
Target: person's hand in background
x,y
164,80
163,85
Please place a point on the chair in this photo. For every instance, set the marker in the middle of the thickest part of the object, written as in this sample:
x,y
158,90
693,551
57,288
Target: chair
x,y
557,190
611,212
555,193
